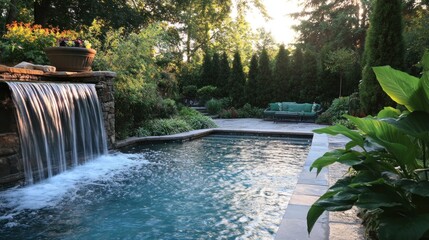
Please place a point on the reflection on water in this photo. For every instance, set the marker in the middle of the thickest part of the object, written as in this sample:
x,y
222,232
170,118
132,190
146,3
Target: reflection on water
x,y
218,187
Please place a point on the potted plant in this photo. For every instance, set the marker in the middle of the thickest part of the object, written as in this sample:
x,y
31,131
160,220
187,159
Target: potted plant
x,y
71,55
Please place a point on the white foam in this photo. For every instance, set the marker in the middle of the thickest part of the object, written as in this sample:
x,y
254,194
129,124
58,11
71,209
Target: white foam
x,y
51,191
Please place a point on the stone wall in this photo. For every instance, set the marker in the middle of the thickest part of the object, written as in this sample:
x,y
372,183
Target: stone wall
x,y
11,169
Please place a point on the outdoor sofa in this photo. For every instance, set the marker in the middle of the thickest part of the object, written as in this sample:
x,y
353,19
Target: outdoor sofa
x,y
279,111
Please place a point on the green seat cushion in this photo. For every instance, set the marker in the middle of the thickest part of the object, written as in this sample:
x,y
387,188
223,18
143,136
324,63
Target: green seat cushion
x,y
285,105
307,107
275,106
296,107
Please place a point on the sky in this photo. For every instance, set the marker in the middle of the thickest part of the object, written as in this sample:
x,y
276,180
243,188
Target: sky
x,y
281,23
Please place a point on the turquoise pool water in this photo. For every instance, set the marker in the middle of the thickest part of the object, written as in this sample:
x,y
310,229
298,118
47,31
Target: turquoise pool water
x,y
217,187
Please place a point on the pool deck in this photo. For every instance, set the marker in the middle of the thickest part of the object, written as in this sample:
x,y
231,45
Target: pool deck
x,y
332,226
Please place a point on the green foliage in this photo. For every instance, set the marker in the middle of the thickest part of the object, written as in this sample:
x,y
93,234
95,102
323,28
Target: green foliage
x,y
389,176
341,61
187,120
190,92
224,73
206,93
228,113
26,42
160,127
137,96
247,111
281,75
335,112
195,119
213,106
237,80
251,84
296,72
264,89
206,71
384,45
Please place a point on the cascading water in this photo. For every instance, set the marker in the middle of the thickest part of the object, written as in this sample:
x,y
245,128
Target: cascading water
x,y
60,125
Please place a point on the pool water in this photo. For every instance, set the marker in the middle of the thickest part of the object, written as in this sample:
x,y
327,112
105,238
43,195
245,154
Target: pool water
x,y
217,187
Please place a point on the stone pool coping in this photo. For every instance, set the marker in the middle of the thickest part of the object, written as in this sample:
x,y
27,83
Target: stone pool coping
x,y
306,192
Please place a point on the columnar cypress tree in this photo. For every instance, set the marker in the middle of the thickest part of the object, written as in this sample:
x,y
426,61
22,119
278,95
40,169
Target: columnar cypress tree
x,y
252,85
309,87
224,72
264,80
384,46
281,75
237,80
215,69
296,72
205,71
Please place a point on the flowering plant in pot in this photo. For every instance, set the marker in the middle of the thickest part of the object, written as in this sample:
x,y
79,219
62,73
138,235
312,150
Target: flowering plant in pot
x,y
71,55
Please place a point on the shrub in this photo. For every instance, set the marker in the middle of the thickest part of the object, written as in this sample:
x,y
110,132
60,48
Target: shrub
x,y
189,94
247,111
206,93
26,42
335,112
166,108
195,119
213,106
228,113
226,102
388,177
160,127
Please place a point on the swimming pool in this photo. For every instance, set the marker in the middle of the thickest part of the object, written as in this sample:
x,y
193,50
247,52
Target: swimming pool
x,y
217,187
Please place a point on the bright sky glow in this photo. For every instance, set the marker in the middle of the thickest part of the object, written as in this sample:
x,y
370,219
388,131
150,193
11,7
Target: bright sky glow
x,y
281,23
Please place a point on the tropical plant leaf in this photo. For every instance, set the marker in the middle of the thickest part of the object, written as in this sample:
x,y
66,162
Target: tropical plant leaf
x,y
356,138
327,159
402,88
420,188
373,200
312,215
410,226
350,158
389,112
316,211
396,142
425,61
414,124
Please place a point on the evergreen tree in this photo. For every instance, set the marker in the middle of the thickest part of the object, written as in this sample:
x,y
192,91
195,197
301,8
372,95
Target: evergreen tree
x,y
224,72
264,80
215,69
281,75
205,71
236,81
310,84
384,46
251,84
296,71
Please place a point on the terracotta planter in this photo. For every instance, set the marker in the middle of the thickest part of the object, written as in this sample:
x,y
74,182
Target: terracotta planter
x,y
71,59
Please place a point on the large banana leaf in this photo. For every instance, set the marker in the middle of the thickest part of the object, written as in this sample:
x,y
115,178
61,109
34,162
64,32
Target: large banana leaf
x,y
403,226
414,124
392,139
357,139
403,88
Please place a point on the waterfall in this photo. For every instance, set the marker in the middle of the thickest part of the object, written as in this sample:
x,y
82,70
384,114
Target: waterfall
x,y
60,126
